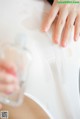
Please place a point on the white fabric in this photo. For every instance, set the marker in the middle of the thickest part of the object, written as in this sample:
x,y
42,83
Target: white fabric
x,y
54,73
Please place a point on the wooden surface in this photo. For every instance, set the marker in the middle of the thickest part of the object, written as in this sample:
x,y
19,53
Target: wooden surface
x,y
28,110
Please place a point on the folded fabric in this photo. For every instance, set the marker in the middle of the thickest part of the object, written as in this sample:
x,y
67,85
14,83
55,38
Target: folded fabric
x,y
54,74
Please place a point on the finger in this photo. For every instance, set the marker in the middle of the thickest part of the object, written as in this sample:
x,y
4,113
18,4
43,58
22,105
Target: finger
x,y
77,28
60,25
8,88
68,29
53,29
7,66
7,78
0,106
52,15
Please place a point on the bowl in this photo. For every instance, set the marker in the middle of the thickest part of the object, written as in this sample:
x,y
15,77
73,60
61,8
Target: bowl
x,y
31,108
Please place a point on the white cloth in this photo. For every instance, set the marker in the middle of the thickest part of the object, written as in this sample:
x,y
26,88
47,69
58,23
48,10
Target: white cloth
x,y
54,73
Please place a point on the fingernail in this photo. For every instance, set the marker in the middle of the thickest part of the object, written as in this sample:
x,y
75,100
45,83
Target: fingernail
x,y
63,44
44,29
76,38
56,42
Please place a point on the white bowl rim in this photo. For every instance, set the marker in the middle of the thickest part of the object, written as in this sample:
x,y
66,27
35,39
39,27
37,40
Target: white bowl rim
x,y
40,104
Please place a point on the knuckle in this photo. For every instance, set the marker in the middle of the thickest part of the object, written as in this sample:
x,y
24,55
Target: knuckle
x,y
65,6
69,25
61,22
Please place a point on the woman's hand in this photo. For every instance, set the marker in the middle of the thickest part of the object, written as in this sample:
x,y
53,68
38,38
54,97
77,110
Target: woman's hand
x,y
8,78
66,16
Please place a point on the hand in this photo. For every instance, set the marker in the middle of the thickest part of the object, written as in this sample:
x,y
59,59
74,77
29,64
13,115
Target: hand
x,y
8,78
66,15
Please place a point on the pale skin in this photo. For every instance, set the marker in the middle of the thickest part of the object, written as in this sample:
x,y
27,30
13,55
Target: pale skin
x,y
8,82
66,16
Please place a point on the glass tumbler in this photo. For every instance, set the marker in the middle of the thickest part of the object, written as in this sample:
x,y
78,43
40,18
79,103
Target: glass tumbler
x,y
18,54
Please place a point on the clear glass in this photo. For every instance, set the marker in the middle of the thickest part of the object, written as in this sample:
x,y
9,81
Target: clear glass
x,y
21,57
